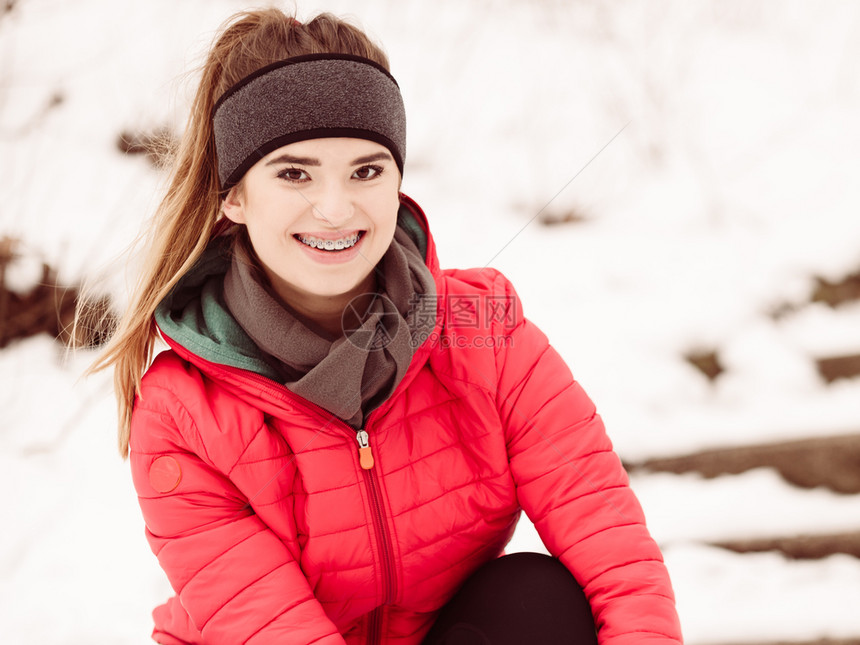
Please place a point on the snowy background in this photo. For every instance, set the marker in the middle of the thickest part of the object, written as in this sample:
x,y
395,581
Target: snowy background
x,y
705,153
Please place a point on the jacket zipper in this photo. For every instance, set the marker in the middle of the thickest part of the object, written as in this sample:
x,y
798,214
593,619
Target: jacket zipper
x,y
374,626
365,456
383,539
389,580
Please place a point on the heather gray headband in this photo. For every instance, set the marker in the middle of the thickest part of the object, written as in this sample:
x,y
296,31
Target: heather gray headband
x,y
307,97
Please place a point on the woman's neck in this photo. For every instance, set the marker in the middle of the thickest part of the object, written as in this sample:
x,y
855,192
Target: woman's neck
x,y
333,314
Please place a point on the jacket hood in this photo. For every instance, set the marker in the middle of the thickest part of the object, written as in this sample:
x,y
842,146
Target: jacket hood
x,y
195,315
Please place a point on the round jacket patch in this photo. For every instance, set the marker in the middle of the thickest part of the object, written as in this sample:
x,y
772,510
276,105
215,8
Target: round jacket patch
x,y
165,474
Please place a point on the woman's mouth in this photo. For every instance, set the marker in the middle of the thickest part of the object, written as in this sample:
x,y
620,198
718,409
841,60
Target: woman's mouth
x,y
331,245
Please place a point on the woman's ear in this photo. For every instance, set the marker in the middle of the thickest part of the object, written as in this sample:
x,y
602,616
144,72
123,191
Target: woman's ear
x,y
234,205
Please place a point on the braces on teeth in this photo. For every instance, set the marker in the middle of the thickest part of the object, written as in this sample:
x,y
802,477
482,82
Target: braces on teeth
x,y
330,245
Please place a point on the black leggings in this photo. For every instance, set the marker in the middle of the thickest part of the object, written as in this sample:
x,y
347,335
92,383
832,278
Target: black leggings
x,y
519,598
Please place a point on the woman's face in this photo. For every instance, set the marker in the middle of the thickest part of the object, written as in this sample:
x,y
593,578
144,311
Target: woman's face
x,y
320,214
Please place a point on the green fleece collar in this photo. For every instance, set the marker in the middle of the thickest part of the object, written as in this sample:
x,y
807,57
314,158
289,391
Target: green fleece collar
x,y
195,315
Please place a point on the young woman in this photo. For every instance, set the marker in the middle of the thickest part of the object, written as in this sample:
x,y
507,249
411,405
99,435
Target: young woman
x,y
341,437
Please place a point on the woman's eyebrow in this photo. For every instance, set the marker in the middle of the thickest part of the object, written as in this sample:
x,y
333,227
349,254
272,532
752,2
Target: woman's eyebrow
x,y
310,161
303,161
378,156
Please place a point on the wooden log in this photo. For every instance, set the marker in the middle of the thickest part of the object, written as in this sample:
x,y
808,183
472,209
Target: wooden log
x,y
833,462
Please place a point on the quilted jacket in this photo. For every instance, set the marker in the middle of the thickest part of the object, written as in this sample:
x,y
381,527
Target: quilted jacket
x,y
273,530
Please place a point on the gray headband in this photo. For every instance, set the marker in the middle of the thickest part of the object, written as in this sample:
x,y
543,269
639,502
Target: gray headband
x,y
306,97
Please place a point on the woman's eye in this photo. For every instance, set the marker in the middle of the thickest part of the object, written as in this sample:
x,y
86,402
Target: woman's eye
x,y
293,174
367,172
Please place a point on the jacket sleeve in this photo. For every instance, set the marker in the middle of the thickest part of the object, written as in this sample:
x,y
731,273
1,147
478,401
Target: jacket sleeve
x,y
571,484
236,581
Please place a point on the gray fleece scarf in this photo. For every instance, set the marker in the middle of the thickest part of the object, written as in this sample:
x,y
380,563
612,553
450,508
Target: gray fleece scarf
x,y
356,372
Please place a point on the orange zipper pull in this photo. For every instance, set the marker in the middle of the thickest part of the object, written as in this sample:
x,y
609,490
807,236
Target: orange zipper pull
x,y
365,455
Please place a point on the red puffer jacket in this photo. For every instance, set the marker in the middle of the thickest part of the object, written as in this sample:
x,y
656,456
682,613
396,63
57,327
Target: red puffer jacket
x,y
271,532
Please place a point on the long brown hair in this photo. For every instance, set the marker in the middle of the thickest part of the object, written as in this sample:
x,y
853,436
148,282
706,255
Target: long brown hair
x,y
185,220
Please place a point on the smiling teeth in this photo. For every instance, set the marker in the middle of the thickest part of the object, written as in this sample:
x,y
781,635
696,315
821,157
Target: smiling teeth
x,y
330,245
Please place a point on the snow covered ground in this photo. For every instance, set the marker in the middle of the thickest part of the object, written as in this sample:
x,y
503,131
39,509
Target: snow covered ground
x,y
710,149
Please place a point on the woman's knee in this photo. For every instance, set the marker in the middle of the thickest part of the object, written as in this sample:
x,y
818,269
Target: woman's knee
x,y
518,598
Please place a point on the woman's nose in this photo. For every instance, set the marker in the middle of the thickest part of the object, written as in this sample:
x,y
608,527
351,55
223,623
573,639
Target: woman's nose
x,y
334,206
